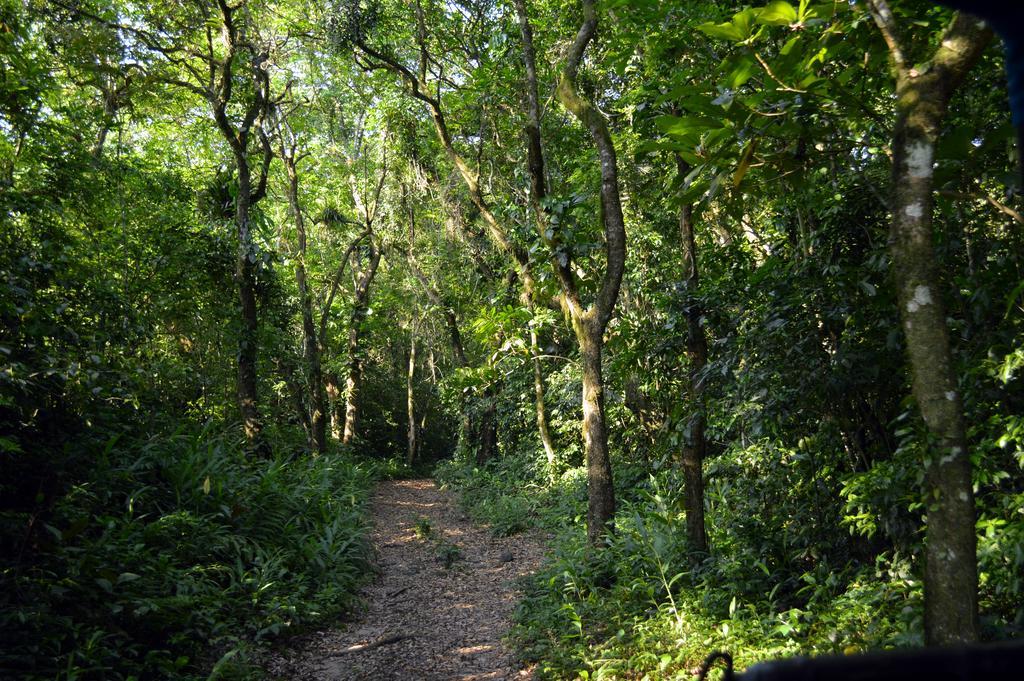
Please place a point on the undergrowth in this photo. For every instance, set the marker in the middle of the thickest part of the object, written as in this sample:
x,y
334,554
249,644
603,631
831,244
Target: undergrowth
x,y
778,582
178,557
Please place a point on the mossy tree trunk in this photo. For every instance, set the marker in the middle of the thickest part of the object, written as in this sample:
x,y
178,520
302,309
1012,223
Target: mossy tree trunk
x,y
923,94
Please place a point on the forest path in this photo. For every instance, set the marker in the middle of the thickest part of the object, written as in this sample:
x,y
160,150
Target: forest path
x,y
425,620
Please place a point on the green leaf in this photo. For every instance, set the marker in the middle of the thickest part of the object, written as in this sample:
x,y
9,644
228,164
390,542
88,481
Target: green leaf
x,y
725,31
778,13
681,126
790,44
741,69
737,30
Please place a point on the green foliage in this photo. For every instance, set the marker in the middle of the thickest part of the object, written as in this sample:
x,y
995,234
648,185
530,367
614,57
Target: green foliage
x,y
448,554
423,529
512,495
641,605
177,546
135,544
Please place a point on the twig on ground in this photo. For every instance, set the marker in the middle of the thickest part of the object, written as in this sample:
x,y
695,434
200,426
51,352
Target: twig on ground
x,y
387,640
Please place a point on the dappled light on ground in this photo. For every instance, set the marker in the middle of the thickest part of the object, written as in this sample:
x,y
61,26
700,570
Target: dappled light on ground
x,y
441,605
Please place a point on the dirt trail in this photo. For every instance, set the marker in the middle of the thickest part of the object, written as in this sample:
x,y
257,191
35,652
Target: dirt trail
x,y
425,621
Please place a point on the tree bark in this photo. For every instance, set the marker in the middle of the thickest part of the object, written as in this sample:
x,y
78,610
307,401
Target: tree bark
x,y
600,488
410,399
543,429
487,438
310,344
245,280
923,95
590,324
335,405
287,369
354,380
695,449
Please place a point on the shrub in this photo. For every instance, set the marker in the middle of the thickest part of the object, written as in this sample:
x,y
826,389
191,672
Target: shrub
x,y
178,554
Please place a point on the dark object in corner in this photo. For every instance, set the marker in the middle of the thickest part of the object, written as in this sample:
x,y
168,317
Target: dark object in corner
x,y
981,663
1006,17
709,663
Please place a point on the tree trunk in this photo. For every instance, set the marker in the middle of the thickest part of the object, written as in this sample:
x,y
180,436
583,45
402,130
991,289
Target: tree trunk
x,y
601,495
354,380
695,449
334,405
588,323
295,391
310,345
410,400
487,438
542,417
331,384
245,279
923,95
218,93
951,580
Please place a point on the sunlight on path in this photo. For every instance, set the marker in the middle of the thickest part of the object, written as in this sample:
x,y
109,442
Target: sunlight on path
x,y
425,620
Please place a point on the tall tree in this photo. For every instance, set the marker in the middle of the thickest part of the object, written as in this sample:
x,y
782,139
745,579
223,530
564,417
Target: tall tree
x,y
588,321
923,94
239,134
368,209
355,26
288,152
214,64
538,192
695,450
410,399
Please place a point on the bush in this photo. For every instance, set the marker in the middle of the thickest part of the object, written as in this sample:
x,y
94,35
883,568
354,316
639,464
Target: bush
x,y
179,554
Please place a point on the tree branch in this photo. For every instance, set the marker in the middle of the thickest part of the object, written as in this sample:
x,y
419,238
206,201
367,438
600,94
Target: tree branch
x,y
886,23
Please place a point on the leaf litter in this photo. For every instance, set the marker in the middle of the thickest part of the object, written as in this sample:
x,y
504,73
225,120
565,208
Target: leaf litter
x,y
440,606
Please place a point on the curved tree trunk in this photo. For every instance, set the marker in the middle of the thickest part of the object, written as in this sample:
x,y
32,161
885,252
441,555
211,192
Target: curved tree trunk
x,y
923,95
588,323
591,323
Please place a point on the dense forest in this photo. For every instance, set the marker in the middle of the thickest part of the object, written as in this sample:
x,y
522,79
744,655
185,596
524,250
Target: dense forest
x,y
725,301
